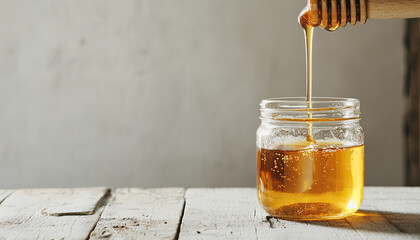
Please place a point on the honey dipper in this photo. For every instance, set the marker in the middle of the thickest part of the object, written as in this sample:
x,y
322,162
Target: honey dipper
x,y
330,14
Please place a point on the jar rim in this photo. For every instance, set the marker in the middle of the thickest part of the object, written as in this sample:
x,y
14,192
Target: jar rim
x,y
315,100
318,109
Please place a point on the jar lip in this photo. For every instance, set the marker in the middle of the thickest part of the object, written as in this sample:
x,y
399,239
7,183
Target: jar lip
x,y
318,109
297,100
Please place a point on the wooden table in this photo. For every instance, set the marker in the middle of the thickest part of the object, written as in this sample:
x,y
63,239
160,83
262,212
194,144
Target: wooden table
x,y
204,213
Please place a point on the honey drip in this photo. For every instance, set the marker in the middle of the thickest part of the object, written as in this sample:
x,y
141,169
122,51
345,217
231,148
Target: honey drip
x,y
304,20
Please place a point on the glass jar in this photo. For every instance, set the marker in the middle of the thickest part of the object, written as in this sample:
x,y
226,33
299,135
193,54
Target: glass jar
x,y
310,158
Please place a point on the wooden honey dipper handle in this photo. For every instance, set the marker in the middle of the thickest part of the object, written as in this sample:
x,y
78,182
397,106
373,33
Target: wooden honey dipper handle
x,y
389,9
329,14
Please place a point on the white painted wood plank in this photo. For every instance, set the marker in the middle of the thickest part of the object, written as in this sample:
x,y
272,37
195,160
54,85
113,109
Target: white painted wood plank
x,y
392,193
134,213
236,214
76,201
4,194
23,214
388,213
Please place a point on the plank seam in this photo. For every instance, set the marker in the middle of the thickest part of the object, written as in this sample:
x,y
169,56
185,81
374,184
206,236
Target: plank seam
x,y
8,195
255,226
97,206
401,230
178,230
355,229
270,220
103,202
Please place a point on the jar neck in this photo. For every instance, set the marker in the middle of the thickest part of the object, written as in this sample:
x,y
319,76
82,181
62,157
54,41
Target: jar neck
x,y
320,110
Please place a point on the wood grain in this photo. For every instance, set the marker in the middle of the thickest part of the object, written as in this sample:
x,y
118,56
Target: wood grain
x,y
386,213
325,12
235,214
136,213
221,213
208,213
24,214
389,9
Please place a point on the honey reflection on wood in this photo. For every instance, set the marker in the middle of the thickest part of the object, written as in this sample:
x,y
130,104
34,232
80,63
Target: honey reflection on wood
x,y
369,222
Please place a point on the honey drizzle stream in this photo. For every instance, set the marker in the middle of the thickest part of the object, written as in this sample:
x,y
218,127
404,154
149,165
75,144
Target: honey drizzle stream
x,y
308,30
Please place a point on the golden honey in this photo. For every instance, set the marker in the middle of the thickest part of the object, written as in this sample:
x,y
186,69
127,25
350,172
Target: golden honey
x,y
310,182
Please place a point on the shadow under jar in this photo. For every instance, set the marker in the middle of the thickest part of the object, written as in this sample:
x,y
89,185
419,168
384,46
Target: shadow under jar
x,y
310,158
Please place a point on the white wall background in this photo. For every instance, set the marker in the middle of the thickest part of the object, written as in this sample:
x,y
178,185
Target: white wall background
x,y
166,93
